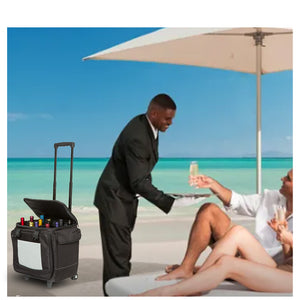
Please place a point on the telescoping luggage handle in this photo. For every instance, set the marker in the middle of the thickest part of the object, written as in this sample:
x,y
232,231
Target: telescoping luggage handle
x,y
63,144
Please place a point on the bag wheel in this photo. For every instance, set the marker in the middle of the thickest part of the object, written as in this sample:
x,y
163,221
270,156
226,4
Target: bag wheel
x,y
49,284
74,277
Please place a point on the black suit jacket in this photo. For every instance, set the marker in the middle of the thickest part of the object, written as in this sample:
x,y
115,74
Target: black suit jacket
x,y
128,172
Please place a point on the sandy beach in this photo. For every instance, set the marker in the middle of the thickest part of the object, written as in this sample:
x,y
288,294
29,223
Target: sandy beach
x,y
158,240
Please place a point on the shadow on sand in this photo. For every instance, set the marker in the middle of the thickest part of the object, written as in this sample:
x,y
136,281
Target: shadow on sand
x,y
89,282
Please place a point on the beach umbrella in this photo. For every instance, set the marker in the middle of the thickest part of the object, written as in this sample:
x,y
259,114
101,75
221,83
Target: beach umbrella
x,y
250,50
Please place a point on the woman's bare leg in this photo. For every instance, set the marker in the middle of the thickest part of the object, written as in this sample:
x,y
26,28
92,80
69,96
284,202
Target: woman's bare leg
x,y
239,240
210,222
253,275
259,277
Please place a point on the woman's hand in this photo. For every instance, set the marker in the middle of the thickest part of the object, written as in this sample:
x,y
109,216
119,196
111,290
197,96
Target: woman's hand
x,y
274,224
284,236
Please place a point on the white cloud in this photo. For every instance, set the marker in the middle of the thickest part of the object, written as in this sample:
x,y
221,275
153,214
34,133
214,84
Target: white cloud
x,y
13,117
44,116
289,138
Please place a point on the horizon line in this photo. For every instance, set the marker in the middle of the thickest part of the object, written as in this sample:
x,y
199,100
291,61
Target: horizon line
x,y
164,157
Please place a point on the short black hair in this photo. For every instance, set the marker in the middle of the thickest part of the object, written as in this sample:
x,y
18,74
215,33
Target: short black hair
x,y
164,101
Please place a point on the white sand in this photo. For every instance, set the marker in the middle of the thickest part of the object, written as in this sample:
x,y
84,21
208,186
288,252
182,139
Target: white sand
x,y
157,240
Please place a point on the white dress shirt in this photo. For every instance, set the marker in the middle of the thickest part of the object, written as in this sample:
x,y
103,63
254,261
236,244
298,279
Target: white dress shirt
x,y
261,206
154,130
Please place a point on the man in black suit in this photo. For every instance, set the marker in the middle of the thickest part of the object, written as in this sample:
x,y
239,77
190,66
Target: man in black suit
x,y
127,175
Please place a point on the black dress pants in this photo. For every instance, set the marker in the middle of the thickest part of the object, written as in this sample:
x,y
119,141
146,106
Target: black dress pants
x,y
116,249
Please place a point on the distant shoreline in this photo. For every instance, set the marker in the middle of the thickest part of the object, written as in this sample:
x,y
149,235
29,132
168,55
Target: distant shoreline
x,y
185,158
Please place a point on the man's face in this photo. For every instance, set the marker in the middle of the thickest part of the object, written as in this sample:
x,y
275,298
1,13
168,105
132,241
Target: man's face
x,y
287,185
162,118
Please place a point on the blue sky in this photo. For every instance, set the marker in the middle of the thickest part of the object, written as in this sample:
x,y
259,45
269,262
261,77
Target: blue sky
x,y
54,96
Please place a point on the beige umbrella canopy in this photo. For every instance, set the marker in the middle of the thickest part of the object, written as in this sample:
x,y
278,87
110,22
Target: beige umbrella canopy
x,y
249,50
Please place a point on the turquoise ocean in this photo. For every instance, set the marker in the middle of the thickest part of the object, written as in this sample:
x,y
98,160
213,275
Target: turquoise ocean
x,y
33,177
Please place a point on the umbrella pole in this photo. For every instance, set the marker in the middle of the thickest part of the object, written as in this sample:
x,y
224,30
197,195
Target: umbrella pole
x,y
259,39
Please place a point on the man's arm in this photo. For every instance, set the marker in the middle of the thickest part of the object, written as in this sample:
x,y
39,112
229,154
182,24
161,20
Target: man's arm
x,y
246,205
203,181
140,176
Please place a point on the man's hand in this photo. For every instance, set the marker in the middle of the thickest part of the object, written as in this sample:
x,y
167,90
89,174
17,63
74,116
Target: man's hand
x,y
201,181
